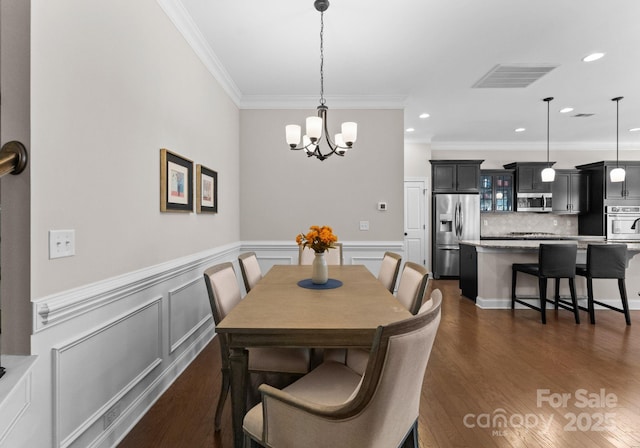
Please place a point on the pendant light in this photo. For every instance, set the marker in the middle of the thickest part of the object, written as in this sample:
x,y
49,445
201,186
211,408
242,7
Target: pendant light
x,y
617,174
316,125
548,174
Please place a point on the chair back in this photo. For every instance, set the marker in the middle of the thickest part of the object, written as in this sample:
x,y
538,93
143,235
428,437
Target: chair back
x,y
389,270
332,256
251,273
606,260
384,406
224,291
557,260
413,283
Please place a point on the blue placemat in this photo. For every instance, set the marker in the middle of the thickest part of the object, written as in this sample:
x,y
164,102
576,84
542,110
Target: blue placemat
x,y
332,283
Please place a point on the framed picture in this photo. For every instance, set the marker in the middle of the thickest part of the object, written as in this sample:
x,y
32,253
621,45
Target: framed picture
x,y
207,190
176,183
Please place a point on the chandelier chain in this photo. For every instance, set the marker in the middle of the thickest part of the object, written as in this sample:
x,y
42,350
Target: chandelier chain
x,y
322,100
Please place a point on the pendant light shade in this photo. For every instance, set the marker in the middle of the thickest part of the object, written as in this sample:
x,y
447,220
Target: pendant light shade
x,y
548,174
617,174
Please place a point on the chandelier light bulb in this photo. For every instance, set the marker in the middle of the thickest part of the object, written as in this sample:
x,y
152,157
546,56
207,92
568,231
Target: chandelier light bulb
x,y
314,128
293,132
349,132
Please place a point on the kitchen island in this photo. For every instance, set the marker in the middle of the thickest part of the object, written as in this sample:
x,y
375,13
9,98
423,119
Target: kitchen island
x,y
485,272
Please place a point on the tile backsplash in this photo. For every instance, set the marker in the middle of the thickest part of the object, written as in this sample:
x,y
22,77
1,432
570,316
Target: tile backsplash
x,y
497,224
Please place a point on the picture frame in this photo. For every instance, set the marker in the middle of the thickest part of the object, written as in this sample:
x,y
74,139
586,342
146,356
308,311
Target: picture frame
x,y
206,190
176,182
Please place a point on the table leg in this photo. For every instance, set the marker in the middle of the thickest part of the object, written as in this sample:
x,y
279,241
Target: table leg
x,y
238,360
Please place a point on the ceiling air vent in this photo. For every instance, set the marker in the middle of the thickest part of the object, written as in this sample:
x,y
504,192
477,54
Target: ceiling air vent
x,y
582,115
513,76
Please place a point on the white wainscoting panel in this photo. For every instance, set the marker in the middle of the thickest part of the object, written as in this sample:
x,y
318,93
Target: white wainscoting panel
x,y
189,310
91,373
15,391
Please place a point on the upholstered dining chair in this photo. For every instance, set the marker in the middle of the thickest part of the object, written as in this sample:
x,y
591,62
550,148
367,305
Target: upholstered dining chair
x,y
224,295
413,283
332,256
389,270
250,269
334,406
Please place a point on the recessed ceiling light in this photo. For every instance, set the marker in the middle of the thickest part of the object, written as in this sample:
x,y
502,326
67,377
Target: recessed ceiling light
x,y
566,110
634,129
424,115
519,129
410,129
592,57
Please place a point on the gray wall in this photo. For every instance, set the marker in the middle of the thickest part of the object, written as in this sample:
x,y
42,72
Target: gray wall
x,y
112,83
283,192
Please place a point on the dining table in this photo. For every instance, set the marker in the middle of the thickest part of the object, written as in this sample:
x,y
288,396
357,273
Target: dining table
x,y
286,310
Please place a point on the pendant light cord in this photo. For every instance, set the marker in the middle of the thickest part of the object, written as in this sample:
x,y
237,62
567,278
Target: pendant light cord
x,y
548,106
617,131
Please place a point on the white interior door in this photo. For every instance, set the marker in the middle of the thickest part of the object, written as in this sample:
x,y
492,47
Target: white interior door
x,y
415,229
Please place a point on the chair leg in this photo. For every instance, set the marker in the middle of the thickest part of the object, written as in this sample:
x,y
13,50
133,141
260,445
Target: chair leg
x,y
591,306
625,303
224,391
574,299
557,293
542,285
411,439
514,276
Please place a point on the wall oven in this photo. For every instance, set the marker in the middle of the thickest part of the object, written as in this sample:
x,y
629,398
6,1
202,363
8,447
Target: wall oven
x,y
533,202
623,222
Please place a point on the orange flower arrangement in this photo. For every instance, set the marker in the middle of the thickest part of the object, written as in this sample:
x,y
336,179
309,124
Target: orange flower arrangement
x,y
318,238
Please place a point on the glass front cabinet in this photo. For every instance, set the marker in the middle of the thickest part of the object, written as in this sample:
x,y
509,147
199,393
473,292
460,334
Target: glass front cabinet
x,y
496,190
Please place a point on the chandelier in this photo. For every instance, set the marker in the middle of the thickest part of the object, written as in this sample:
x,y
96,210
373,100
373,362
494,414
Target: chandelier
x,y
315,126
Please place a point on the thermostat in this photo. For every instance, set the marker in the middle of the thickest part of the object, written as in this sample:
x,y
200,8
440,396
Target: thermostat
x,y
382,206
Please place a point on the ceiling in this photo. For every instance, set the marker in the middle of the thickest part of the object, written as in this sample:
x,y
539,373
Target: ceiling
x,y
426,55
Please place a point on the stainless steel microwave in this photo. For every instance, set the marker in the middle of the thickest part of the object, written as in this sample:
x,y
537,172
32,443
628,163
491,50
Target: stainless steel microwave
x,y
534,202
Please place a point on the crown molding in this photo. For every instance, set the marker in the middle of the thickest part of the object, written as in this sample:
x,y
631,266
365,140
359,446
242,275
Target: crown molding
x,y
333,101
528,146
177,13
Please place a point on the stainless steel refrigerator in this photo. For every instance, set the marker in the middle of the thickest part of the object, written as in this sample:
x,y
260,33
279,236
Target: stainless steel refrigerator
x,y
456,217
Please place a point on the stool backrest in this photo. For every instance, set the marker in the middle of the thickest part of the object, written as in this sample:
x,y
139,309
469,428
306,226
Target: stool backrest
x,y
606,260
557,260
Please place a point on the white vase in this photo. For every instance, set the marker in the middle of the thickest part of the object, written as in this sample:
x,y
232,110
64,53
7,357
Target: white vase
x,y
320,271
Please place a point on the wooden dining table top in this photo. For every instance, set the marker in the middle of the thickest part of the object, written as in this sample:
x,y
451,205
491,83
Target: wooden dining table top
x,y
278,312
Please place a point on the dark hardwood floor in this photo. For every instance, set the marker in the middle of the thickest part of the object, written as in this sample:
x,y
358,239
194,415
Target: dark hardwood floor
x,y
496,378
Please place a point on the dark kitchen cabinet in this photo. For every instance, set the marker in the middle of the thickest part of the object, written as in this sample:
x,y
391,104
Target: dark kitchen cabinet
x,y
602,193
468,282
570,192
529,176
496,190
455,176
629,189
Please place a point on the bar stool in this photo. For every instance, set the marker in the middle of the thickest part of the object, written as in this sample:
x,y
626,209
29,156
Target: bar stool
x,y
605,261
554,261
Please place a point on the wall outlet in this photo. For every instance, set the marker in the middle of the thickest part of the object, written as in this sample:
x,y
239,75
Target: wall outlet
x,y
111,415
555,222
364,225
485,222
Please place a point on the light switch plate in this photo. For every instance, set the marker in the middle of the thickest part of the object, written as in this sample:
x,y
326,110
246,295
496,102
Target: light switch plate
x,y
62,243
364,225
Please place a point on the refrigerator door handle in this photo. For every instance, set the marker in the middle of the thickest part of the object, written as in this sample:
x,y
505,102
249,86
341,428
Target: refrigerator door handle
x,y
455,219
461,222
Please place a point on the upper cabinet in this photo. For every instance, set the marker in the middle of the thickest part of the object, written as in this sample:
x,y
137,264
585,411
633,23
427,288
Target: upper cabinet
x,y
496,190
570,192
455,176
529,176
630,188
602,192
